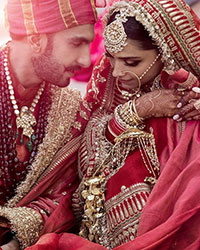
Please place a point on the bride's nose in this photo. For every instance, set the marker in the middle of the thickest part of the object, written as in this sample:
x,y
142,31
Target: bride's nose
x,y
118,70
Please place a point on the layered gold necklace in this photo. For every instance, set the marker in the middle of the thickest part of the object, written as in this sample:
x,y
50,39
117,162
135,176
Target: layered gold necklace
x,y
25,118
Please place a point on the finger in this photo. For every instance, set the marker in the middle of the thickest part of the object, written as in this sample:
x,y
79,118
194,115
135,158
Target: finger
x,y
180,93
197,117
194,93
186,109
183,111
183,101
191,95
191,115
196,90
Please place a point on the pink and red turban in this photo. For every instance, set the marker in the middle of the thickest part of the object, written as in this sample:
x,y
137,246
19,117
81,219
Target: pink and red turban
x,y
24,17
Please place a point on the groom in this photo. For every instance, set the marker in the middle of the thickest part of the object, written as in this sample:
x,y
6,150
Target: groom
x,y
49,41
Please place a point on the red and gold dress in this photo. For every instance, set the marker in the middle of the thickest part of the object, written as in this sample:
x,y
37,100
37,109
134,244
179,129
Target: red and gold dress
x,y
36,186
115,206
133,216
124,170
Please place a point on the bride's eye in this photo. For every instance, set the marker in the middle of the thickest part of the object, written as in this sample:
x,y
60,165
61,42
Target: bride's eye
x,y
131,63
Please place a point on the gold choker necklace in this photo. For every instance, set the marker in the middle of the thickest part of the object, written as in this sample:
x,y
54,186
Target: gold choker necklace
x,y
25,118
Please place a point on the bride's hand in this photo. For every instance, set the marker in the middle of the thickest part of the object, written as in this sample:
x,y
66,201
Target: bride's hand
x,y
158,103
189,106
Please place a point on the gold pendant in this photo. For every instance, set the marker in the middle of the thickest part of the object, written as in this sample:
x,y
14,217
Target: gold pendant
x,y
26,120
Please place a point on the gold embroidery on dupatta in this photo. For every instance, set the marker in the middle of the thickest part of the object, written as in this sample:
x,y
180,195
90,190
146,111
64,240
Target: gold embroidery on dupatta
x,y
184,43
186,11
77,125
85,104
65,104
97,78
162,20
123,212
19,217
83,114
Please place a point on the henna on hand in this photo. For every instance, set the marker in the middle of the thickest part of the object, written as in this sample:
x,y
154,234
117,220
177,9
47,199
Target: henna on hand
x,y
158,103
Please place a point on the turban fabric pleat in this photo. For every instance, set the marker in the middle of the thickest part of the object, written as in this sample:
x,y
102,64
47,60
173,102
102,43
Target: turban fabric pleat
x,y
24,17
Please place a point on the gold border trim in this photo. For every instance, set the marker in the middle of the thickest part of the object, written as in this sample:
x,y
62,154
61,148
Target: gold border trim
x,y
7,24
62,115
19,217
66,13
29,22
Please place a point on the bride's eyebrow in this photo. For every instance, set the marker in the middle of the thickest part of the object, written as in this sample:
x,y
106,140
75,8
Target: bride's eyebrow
x,y
124,57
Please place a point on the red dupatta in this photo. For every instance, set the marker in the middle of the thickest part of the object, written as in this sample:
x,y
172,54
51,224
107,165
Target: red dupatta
x,y
170,218
173,206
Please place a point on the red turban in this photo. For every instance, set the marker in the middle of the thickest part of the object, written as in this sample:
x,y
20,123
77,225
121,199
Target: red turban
x,y
24,17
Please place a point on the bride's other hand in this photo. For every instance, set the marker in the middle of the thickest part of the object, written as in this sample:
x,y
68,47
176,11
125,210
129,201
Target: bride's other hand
x,y
189,106
158,103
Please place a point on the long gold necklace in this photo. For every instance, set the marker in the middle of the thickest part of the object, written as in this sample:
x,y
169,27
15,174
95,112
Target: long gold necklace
x,y
25,118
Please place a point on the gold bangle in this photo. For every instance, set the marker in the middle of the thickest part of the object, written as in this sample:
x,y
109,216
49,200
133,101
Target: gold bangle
x,y
140,120
197,105
133,116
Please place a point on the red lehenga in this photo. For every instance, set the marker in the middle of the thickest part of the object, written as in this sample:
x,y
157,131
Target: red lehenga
x,y
172,205
130,218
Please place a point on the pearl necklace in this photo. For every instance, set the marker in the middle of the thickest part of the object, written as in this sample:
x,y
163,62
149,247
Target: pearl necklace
x,y
24,118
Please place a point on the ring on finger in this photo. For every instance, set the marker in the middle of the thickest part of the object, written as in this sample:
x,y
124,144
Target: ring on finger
x,y
181,91
196,90
197,105
191,100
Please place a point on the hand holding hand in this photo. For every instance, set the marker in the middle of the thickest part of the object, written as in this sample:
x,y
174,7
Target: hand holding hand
x,y
189,106
158,103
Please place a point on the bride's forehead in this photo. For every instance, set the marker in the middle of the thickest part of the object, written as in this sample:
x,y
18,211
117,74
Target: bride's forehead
x,y
133,49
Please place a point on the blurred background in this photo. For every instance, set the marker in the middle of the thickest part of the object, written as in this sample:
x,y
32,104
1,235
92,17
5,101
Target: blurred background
x,y
78,83
3,33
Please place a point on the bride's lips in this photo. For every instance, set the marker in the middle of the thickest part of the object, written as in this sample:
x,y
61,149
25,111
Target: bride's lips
x,y
128,84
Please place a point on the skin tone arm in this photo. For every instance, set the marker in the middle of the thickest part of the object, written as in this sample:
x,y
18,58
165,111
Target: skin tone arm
x,y
186,108
168,103
12,245
158,103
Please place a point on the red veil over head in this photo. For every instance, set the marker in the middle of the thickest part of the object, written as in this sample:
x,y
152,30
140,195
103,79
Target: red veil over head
x,y
173,26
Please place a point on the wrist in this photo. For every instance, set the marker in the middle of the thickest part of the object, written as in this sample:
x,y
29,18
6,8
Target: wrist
x,y
127,117
144,107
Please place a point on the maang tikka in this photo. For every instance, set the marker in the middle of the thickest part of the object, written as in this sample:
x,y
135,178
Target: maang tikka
x,y
115,37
